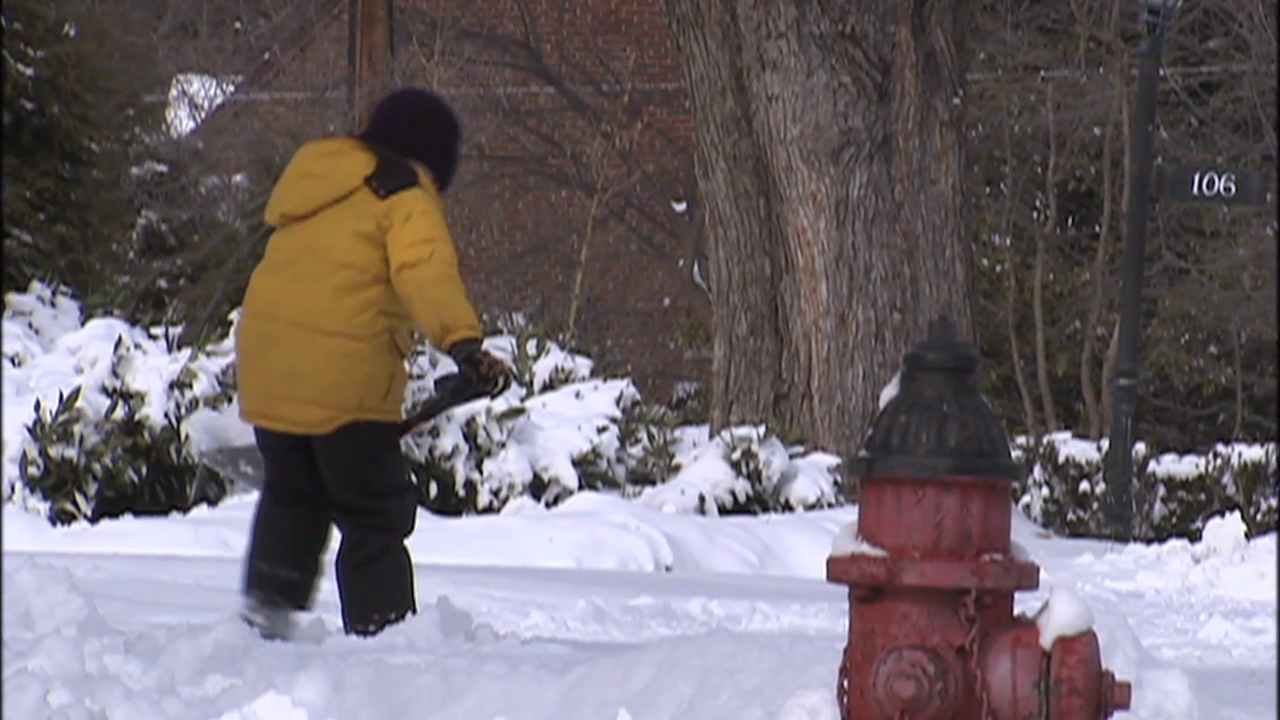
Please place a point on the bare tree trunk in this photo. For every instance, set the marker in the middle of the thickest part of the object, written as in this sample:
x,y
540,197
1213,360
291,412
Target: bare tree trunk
x,y
1029,420
829,159
1097,409
1015,351
1037,279
746,341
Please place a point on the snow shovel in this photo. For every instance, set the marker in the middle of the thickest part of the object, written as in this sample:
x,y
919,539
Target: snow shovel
x,y
243,463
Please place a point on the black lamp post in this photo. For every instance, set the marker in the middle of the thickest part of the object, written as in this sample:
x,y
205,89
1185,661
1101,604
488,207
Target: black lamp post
x,y
1157,16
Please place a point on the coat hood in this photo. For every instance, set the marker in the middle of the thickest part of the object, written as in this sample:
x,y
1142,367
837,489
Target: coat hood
x,y
321,173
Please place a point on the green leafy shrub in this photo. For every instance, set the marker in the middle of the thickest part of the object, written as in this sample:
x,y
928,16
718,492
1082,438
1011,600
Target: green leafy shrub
x,y
1174,495
649,443
89,464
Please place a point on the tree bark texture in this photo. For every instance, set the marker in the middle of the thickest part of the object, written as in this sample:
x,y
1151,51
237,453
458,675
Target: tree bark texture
x,y
829,156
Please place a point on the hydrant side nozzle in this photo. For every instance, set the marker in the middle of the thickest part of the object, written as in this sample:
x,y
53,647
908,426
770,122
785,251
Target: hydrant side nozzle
x,y
1116,694
1078,686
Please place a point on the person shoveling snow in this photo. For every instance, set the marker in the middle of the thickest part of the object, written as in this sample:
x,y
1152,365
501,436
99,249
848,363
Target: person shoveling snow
x,y
359,256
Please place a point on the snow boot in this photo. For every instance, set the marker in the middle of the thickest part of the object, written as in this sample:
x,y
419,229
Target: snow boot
x,y
271,621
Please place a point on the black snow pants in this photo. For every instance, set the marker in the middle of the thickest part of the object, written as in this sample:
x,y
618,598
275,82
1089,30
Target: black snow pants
x,y
355,478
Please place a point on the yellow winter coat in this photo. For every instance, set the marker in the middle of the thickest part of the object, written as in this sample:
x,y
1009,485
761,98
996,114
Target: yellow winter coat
x,y
329,314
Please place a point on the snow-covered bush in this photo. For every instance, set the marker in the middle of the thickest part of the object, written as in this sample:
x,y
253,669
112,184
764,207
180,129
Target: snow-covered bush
x,y
103,408
745,470
1174,495
689,403
649,443
559,430
556,431
103,418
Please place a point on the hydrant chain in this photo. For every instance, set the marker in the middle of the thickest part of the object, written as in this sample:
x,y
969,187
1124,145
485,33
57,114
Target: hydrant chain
x,y
969,616
842,684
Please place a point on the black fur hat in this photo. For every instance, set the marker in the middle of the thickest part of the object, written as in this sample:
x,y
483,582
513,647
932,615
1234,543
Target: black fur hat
x,y
421,126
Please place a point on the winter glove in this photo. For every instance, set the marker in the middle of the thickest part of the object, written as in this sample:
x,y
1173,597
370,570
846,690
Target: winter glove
x,y
487,372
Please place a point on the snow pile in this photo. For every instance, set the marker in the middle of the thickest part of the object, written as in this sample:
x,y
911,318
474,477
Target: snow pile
x,y
1212,593
1223,537
1223,563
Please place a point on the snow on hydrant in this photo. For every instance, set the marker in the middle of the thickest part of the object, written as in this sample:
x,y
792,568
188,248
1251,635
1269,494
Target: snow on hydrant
x,y
932,571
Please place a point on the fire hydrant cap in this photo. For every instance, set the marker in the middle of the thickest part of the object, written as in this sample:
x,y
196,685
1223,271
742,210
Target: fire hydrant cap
x,y
942,351
938,425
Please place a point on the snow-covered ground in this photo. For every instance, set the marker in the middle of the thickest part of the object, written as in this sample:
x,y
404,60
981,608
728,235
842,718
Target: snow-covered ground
x,y
599,609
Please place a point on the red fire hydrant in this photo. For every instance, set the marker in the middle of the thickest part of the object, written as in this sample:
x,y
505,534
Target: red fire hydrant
x,y
932,634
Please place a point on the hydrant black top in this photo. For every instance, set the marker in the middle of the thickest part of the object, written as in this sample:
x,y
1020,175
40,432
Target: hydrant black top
x,y
942,351
939,424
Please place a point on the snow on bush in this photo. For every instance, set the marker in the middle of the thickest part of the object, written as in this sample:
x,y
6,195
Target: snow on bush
x,y
745,470
554,432
94,412
1174,495
103,418
559,430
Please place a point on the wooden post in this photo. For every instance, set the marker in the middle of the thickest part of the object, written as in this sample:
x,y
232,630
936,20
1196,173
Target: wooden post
x,y
369,54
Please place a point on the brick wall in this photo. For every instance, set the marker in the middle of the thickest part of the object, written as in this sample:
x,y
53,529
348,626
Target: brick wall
x,y
520,234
